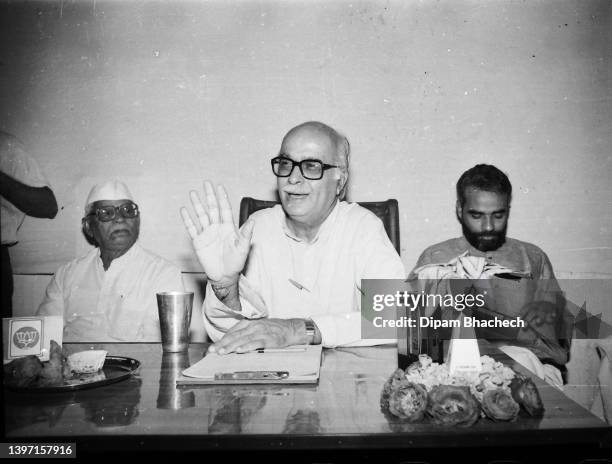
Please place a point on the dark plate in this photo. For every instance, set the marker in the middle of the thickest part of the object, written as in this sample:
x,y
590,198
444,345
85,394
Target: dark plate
x,y
115,368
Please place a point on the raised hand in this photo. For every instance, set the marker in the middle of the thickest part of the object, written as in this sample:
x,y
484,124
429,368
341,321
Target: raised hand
x,y
221,248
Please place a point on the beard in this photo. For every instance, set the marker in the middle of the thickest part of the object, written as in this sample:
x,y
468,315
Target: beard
x,y
485,241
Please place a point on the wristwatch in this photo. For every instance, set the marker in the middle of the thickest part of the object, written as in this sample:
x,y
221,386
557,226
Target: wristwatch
x,y
311,330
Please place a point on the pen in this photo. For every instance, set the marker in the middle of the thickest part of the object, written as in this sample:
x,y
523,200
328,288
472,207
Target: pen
x,y
252,375
280,350
298,285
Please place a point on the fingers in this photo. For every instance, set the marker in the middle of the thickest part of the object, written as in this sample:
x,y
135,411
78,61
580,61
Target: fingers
x,y
246,344
236,341
245,235
212,204
189,225
224,206
228,338
199,209
251,345
249,335
216,208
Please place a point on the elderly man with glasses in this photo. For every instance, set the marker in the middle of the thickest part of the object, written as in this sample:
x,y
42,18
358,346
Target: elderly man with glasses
x,y
292,274
109,294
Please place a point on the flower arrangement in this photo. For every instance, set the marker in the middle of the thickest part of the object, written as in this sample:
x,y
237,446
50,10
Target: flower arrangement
x,y
427,390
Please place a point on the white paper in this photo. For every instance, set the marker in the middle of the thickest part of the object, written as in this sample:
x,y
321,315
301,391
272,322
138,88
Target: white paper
x,y
300,364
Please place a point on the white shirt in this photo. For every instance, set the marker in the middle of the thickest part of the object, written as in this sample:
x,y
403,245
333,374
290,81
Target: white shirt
x,y
15,162
116,304
351,245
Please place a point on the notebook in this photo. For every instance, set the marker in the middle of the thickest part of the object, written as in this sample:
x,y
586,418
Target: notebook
x,y
292,365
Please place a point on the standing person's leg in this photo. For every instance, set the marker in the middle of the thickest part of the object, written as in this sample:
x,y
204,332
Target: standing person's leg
x,y
6,283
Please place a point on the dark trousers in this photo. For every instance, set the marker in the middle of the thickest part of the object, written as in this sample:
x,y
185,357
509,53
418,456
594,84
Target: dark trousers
x,y
6,283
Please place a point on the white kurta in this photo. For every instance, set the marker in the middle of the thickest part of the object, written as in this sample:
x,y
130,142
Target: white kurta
x,y
116,304
286,277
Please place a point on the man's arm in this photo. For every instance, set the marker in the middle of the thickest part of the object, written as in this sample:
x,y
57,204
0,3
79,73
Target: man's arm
x,y
423,260
377,259
219,318
249,335
228,294
220,247
53,302
37,202
549,316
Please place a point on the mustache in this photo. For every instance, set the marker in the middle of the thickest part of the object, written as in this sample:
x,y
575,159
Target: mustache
x,y
485,241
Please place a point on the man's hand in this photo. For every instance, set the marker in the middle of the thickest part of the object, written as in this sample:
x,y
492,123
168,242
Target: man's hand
x,y
37,202
249,335
221,248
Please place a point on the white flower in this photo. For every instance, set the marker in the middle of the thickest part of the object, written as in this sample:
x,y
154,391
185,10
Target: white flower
x,y
430,374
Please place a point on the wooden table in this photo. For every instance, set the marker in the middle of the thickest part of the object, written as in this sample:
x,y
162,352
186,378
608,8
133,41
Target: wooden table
x,y
147,412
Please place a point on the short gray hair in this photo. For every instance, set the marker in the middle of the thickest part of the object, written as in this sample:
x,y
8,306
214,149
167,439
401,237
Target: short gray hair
x,y
343,154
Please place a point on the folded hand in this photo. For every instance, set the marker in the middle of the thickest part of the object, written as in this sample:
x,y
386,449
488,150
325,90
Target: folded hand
x,y
249,335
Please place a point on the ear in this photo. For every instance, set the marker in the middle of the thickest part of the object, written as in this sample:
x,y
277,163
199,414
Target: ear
x,y
342,181
458,210
87,227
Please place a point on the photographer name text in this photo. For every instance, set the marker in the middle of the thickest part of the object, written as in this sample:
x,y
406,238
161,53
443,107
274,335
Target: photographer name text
x,y
430,322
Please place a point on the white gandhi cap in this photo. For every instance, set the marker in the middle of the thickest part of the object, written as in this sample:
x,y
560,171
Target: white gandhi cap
x,y
109,190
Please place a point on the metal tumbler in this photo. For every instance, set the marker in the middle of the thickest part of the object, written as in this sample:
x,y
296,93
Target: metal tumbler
x,y
169,395
174,320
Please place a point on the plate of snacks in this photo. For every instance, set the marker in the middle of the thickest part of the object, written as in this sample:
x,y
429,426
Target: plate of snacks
x,y
85,369
427,392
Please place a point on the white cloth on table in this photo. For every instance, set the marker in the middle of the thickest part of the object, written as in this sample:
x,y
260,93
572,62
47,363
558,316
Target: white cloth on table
x,y
286,277
589,375
434,278
461,267
530,361
118,304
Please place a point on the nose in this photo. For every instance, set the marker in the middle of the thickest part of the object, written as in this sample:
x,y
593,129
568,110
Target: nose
x,y
295,176
487,224
118,217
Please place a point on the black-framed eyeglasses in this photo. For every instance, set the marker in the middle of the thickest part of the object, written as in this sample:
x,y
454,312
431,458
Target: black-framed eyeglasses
x,y
108,213
311,169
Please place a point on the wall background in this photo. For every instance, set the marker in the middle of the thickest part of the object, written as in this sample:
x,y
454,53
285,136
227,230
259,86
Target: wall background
x,y
165,94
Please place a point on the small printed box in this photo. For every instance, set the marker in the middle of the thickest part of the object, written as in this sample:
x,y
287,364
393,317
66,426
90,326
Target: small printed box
x,y
23,336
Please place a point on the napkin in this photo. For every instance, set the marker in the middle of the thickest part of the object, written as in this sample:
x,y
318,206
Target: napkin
x,y
463,266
